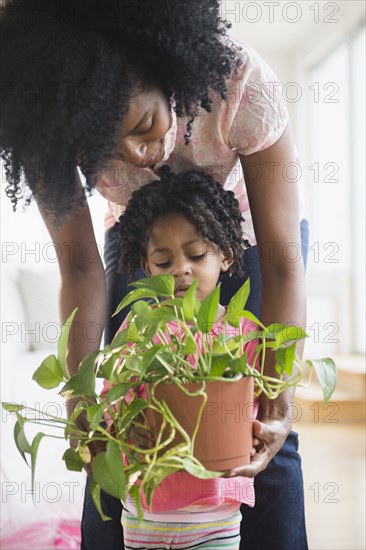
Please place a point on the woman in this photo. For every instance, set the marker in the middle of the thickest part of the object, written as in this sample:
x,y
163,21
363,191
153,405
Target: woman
x,y
117,88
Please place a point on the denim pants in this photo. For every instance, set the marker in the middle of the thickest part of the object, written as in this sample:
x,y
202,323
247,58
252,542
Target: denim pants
x,y
277,521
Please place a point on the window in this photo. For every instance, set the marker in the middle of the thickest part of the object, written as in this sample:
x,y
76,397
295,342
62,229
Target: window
x,y
337,197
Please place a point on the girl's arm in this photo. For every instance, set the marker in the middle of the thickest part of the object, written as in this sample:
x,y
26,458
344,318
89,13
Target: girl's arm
x,y
275,211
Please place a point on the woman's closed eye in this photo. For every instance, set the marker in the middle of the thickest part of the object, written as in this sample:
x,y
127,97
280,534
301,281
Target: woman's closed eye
x,y
144,128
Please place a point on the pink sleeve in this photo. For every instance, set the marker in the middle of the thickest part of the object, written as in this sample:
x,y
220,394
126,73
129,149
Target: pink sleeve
x,y
106,385
249,347
257,112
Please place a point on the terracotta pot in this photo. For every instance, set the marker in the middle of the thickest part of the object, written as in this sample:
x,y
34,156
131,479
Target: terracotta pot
x,y
224,438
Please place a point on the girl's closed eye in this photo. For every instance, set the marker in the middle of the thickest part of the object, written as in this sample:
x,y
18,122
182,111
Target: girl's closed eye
x,y
163,265
198,257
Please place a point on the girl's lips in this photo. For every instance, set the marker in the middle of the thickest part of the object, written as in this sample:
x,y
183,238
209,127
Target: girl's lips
x,y
181,290
180,293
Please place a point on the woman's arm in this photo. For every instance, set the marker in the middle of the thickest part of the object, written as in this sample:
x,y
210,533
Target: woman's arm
x,y
274,204
82,286
82,281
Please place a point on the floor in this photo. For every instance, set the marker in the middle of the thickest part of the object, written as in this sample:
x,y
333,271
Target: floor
x,y
333,455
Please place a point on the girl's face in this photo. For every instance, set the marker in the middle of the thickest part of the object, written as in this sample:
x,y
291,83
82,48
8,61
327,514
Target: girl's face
x,y
177,248
144,128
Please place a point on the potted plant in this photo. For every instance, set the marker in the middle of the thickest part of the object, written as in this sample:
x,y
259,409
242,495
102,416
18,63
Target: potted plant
x,y
146,353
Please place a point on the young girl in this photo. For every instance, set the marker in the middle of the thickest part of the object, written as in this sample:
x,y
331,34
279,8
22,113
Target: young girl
x,y
188,226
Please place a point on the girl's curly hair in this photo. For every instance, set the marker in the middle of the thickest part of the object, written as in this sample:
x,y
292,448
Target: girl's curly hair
x,y
68,72
203,201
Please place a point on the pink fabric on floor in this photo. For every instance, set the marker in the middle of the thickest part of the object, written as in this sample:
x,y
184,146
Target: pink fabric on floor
x,y
63,535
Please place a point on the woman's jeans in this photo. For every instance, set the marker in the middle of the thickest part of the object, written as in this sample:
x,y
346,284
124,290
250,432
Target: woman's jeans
x,y
277,521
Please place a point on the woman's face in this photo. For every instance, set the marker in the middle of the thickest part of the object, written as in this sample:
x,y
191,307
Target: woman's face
x,y
144,128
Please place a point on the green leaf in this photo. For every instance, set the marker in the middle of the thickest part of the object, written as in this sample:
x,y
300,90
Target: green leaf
x,y
142,316
12,407
149,356
118,391
86,374
119,339
108,471
198,471
133,296
95,415
84,453
133,363
285,359
219,364
238,301
95,494
73,460
174,302
207,313
235,318
106,369
49,374
133,333
273,330
239,364
20,439
63,344
189,345
134,493
190,302
326,372
83,382
81,406
162,285
134,408
289,334
158,319
220,346
34,451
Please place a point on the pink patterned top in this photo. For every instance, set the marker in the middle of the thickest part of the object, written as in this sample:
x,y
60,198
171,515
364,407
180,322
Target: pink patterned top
x,y
252,119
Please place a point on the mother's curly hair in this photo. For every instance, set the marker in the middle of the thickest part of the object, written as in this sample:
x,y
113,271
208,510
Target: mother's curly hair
x,y
203,201
69,69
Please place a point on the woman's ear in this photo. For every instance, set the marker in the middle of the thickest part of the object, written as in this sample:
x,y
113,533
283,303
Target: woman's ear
x,y
227,261
145,267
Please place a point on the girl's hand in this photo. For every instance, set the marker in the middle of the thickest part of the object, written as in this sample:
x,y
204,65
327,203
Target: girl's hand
x,y
140,435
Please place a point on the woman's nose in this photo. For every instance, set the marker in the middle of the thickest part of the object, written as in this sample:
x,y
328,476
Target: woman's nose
x,y
136,153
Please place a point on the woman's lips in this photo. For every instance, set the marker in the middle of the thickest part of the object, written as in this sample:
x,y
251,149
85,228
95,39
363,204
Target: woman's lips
x,y
151,160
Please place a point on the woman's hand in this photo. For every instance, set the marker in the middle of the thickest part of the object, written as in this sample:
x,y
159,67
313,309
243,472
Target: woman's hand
x,y
268,438
94,447
82,424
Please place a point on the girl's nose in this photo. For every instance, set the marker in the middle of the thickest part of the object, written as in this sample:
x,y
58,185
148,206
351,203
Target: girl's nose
x,y
181,268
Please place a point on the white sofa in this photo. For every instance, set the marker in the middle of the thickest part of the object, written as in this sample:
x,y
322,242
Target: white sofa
x,y
29,324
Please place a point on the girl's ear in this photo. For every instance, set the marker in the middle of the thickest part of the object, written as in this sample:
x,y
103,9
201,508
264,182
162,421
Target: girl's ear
x,y
227,261
145,267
